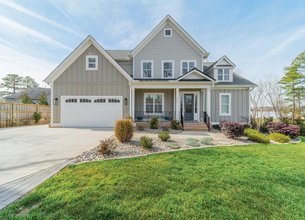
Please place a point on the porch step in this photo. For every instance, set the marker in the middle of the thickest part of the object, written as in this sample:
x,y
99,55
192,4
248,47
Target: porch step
x,y
195,126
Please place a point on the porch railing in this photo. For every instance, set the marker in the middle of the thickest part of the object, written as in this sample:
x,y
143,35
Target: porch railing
x,y
207,120
162,116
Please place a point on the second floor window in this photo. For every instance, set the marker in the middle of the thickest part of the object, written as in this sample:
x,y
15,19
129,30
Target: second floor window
x,y
167,69
91,62
223,75
187,66
147,67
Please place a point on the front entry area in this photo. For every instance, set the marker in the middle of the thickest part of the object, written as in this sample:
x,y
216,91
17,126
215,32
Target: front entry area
x,y
189,105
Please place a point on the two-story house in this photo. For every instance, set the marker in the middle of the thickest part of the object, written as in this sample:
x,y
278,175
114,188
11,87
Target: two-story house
x,y
165,75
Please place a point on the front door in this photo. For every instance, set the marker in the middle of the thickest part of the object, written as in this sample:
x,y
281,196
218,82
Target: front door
x,y
188,107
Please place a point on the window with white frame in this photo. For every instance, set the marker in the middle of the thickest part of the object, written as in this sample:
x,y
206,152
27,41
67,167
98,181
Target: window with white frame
x,y
91,62
147,69
225,104
223,75
153,103
187,65
168,32
168,69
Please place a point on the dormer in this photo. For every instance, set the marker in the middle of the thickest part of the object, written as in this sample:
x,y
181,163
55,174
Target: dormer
x,y
222,70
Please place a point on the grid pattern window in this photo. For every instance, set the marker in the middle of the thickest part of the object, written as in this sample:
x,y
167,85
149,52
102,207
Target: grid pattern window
x,y
114,100
91,62
71,101
168,69
99,100
147,67
223,75
153,103
186,66
84,100
225,104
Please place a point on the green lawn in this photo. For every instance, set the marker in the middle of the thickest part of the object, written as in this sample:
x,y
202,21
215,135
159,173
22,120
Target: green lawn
x,y
255,182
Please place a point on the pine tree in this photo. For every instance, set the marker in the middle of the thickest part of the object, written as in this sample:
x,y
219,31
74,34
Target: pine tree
x,y
43,99
293,82
25,98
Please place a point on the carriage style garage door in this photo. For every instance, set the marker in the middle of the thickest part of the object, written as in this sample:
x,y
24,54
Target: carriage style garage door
x,y
90,111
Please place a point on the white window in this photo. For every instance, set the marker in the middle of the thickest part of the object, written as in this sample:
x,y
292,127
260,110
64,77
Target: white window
x,y
147,68
153,103
91,62
223,75
225,104
168,32
187,65
168,68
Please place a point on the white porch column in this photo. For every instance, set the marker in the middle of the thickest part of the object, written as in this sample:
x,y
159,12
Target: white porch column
x,y
208,101
132,102
177,104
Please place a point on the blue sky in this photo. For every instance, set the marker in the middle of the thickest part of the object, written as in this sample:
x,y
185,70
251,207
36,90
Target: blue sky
x,y
260,37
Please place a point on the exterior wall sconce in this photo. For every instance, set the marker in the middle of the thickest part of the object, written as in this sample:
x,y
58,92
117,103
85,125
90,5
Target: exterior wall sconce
x,y
125,101
56,101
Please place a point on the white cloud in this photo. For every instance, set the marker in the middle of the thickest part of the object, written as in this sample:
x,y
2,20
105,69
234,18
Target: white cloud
x,y
14,61
38,16
24,30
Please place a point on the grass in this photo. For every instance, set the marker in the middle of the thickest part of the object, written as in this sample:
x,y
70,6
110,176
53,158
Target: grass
x,y
242,182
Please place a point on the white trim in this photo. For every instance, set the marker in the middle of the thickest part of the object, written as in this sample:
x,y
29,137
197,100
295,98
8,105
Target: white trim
x,y
173,69
159,27
87,62
170,85
76,54
195,71
208,101
223,74
167,29
152,68
144,102
188,65
224,57
230,104
196,115
52,103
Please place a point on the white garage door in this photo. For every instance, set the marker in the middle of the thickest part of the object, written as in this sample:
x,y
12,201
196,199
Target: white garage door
x,y
90,111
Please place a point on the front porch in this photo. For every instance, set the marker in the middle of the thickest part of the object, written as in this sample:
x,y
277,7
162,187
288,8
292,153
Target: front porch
x,y
191,106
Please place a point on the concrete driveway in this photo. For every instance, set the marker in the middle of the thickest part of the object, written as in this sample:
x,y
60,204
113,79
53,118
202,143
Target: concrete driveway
x,y
26,150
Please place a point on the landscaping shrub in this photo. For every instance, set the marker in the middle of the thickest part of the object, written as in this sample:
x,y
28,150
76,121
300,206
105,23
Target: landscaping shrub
x,y
164,135
254,135
193,142
36,116
232,129
107,146
280,138
216,127
153,123
123,130
263,127
175,124
146,142
173,146
207,141
292,131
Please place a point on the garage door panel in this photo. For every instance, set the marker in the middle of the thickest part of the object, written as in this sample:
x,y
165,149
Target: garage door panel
x,y
97,113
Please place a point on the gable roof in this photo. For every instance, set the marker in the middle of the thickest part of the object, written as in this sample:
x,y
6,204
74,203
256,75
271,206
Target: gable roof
x,y
238,81
87,42
159,27
197,71
120,55
216,63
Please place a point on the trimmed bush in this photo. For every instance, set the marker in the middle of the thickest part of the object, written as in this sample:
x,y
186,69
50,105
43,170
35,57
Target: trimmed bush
x,y
232,129
263,127
175,124
153,123
292,131
254,135
146,142
107,146
207,141
123,130
164,136
280,138
36,116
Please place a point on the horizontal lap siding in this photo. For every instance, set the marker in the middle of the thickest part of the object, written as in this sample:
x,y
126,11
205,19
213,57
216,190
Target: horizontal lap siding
x,y
77,81
239,105
166,48
168,98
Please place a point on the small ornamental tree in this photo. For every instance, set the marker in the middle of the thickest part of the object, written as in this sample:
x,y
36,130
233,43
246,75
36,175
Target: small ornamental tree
x,y
43,99
25,98
123,130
